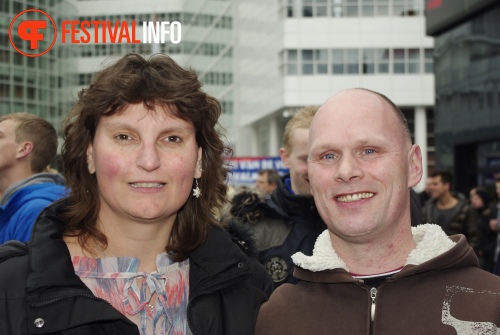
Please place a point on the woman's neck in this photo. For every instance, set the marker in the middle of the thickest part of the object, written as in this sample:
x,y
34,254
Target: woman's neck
x,y
141,240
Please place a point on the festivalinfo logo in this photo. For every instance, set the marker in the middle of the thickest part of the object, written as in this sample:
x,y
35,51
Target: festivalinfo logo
x,y
33,32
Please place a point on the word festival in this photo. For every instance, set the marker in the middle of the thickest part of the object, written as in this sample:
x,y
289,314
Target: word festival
x,y
119,32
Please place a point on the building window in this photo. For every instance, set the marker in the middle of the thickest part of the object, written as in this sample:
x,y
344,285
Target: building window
x,y
337,9
307,8
227,107
355,8
351,8
382,59
352,60
413,60
338,61
368,8
316,8
307,62
428,61
398,57
369,61
290,8
321,61
347,61
321,8
382,8
291,62
4,90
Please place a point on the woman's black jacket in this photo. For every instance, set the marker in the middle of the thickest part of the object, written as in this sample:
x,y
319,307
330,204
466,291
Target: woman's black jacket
x,y
41,294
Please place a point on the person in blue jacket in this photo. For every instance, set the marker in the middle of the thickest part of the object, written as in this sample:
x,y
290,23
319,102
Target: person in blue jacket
x,y
28,144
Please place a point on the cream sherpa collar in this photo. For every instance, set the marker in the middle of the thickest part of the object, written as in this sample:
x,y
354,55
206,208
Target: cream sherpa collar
x,y
430,239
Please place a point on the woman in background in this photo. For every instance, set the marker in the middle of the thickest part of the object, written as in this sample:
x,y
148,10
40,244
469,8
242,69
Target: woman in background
x,y
135,248
480,201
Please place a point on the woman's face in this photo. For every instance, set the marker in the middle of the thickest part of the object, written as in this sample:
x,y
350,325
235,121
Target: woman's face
x,y
144,162
476,200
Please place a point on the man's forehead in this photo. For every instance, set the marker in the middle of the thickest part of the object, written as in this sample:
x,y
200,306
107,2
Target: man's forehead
x,y
354,109
353,99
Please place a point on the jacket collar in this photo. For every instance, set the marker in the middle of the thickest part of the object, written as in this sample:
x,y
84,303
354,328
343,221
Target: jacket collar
x,y
50,263
218,261
37,178
290,205
51,280
430,241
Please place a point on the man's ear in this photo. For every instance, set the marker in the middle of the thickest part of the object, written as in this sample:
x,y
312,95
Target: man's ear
x,y
284,158
24,149
197,169
90,159
415,166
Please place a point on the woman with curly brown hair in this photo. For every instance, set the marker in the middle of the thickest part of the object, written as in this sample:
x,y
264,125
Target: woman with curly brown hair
x,y
136,248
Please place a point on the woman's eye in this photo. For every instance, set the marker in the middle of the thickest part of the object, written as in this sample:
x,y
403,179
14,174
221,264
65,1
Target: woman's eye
x,y
173,139
123,137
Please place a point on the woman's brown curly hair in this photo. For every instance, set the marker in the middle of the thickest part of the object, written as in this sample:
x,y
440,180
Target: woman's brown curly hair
x,y
158,81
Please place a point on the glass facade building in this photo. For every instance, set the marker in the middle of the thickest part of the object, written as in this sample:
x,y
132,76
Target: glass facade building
x,y
467,115
35,85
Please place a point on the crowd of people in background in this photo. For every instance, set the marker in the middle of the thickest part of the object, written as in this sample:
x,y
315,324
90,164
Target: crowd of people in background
x,y
475,216
140,233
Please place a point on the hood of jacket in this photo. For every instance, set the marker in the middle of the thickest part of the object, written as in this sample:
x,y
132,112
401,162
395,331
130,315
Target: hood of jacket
x,y
434,250
35,179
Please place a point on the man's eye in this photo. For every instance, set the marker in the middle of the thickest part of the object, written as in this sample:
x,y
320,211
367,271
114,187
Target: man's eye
x,y
329,156
369,151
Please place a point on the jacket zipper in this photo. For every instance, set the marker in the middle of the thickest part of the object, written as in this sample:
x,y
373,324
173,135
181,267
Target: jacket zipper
x,y
373,296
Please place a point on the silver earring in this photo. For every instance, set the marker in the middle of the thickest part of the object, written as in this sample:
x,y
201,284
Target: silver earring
x,y
196,191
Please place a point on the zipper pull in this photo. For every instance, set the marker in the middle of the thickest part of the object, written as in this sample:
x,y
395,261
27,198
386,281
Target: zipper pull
x,y
373,295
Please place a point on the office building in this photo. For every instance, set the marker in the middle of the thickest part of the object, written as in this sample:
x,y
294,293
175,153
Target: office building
x,y
467,71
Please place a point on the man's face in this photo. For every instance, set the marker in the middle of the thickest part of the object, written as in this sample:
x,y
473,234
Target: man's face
x,y
296,161
8,144
361,167
438,188
263,185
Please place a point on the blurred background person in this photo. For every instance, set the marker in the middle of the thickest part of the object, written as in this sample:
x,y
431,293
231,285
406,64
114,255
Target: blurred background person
x,y
454,215
425,195
28,144
287,221
480,201
495,226
267,180
136,248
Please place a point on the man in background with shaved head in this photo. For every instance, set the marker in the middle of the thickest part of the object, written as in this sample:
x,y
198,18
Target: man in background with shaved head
x,y
371,272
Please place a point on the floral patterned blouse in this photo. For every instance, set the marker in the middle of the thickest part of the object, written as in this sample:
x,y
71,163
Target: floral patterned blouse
x,y
156,302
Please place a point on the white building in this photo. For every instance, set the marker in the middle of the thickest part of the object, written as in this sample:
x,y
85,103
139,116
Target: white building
x,y
306,50
264,59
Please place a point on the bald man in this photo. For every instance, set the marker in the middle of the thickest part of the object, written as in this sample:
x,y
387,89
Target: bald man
x,y
371,272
